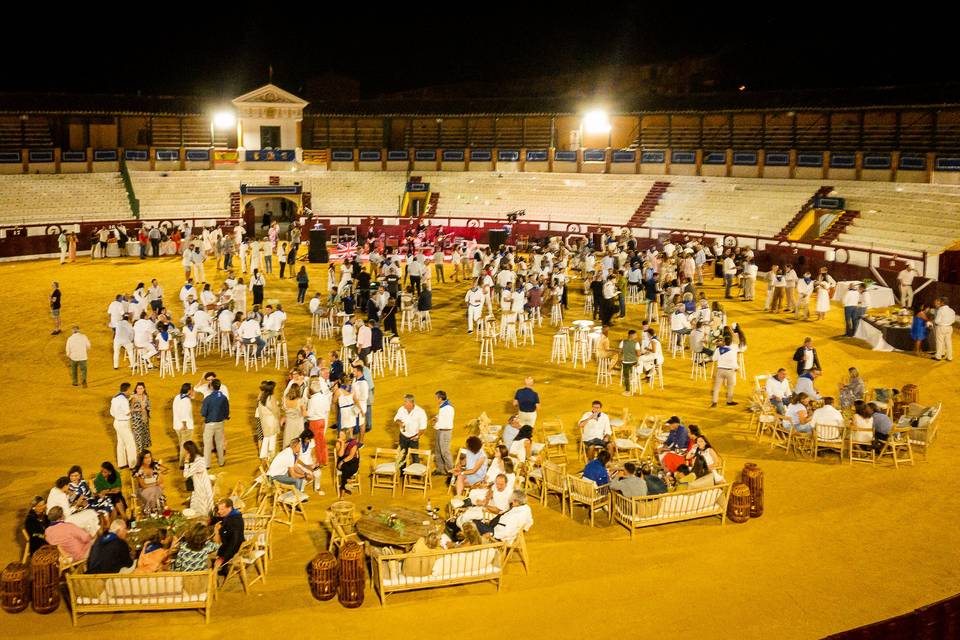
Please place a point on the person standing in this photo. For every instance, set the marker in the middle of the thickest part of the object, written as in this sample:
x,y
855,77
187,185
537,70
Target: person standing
x,y
474,299
527,403
72,246
155,295
803,290
825,282
140,417
55,308
412,421
215,411
154,236
303,282
120,411
806,357
183,417
62,245
905,278
77,347
853,301
443,424
628,360
729,273
726,373
257,282
943,320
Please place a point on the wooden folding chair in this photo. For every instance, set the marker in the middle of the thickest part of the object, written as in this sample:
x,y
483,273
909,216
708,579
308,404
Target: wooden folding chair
x,y
555,439
626,445
898,446
26,546
257,527
289,503
586,493
554,481
247,556
829,437
518,546
416,475
860,443
385,471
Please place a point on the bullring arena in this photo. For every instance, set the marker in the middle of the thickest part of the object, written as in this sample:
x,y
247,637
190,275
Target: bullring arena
x,y
835,543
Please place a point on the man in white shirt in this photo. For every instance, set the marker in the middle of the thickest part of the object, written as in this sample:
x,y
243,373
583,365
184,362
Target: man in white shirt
x,y
804,291
155,295
122,339
412,421
205,386
183,416
749,279
115,311
853,302
474,300
77,347
415,270
905,278
285,470
790,279
778,389
349,336
443,424
186,291
120,411
729,273
943,320
595,429
509,524
827,415
726,373
250,333
365,340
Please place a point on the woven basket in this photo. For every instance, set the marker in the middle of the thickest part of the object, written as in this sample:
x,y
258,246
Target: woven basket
x,y
15,588
45,568
738,507
752,476
323,576
352,575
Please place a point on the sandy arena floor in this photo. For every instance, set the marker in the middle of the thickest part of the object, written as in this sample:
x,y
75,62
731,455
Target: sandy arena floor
x,y
837,547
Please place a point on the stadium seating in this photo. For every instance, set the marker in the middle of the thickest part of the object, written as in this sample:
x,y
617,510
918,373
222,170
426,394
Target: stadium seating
x,y
353,193
58,198
178,194
730,205
901,217
583,198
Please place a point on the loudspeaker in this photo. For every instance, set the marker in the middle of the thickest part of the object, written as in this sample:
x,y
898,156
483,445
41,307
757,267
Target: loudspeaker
x,y
318,245
597,241
495,238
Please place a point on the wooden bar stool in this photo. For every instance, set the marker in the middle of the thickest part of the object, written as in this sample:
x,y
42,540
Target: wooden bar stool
x,y
604,376
559,352
486,350
556,315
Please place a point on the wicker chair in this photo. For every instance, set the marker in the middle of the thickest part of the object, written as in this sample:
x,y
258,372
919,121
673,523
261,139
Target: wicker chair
x,y
898,446
554,481
827,437
586,493
385,470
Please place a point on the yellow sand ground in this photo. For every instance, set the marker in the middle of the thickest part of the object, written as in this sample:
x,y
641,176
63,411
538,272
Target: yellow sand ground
x,y
837,547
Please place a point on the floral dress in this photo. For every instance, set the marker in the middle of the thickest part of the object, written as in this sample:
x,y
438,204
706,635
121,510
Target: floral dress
x,y
81,489
140,421
151,496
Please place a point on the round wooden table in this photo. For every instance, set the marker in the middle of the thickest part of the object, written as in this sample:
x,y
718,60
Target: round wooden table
x,y
372,526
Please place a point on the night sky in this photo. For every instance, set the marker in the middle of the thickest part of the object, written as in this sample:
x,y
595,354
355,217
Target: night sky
x,y
213,53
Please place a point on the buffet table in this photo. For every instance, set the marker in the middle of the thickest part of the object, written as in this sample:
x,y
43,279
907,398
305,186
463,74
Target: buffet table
x,y
877,296
885,335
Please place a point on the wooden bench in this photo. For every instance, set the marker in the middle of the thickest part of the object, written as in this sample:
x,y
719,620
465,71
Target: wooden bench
x,y
686,504
449,567
101,593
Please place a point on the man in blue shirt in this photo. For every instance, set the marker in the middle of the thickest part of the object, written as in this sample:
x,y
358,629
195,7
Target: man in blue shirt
x,y
882,424
678,438
655,485
596,469
215,410
527,402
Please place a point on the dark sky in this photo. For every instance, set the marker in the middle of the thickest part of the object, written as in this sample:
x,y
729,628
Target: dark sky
x,y
211,52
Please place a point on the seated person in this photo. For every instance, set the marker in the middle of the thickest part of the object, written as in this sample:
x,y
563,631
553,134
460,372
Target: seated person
x,y
853,390
111,553
595,429
673,450
827,414
149,484
521,449
683,476
86,519
506,526
882,424
73,542
655,484
778,390
36,523
195,549
596,469
285,470
702,459
471,468
108,485
510,430
80,494
348,458
798,414
627,482
155,555
227,532
495,501
700,340
652,353
805,383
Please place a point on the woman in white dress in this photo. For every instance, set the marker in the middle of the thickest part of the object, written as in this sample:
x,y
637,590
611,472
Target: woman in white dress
x,y
824,284
240,296
268,420
195,468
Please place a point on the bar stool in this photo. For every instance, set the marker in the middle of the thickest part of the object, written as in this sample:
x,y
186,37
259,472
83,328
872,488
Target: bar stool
x,y
166,363
315,323
663,329
324,327
400,360
423,321
588,303
579,348
678,342
394,346
376,363
249,354
526,330
565,332
556,315
636,387
486,351
510,333
604,376
280,353
175,350
742,365
653,309
656,374
490,329
406,319
698,370
535,315
140,364
478,328
226,343
189,359
559,352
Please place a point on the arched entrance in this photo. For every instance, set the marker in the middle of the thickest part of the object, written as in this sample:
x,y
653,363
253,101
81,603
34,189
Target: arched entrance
x,y
282,203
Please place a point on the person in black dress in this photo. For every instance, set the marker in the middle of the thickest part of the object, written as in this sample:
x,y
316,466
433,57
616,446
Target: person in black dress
x,y
36,523
389,316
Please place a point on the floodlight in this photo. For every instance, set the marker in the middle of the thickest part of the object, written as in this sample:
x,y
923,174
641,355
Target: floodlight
x,y
596,121
224,120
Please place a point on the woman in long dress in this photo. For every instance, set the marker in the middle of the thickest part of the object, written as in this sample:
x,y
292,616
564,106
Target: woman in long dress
x,y
149,484
268,420
824,284
140,417
293,412
195,468
72,246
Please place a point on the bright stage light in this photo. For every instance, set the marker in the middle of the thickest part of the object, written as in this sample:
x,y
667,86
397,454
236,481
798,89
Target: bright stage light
x,y
224,120
596,121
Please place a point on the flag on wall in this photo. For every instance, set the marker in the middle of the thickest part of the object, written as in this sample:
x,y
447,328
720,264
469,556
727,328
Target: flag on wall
x,y
226,157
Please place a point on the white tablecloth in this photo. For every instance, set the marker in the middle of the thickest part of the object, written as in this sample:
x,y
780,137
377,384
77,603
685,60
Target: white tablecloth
x,y
877,296
870,334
